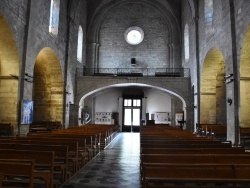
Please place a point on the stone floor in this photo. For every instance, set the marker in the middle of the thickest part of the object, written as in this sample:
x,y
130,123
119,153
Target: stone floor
x,y
115,167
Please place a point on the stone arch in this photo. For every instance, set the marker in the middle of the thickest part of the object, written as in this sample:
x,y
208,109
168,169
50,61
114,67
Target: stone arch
x,y
245,81
213,89
9,73
192,8
89,86
81,101
48,87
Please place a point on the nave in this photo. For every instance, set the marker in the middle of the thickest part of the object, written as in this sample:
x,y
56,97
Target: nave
x,y
115,167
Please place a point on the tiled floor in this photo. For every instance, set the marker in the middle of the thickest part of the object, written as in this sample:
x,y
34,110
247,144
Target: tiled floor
x,y
115,167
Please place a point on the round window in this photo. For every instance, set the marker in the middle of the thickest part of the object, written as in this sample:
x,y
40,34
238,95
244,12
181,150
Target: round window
x,y
134,35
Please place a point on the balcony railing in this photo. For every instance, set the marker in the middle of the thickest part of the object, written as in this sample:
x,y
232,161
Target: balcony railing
x,y
155,72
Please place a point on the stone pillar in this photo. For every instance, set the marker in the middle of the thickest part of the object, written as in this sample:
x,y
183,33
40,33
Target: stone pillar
x,y
120,108
233,129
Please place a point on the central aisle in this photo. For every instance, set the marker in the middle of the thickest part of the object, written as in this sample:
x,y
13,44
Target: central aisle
x,y
115,167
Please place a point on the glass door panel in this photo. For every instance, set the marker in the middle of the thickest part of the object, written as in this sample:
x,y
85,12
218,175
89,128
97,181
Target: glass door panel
x,y
136,117
127,117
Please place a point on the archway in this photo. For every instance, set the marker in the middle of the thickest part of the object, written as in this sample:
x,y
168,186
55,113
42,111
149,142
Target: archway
x,y
175,102
48,87
245,81
213,89
9,73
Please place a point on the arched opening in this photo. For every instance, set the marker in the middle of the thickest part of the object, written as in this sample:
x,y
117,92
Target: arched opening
x,y
213,89
245,81
154,100
9,72
48,87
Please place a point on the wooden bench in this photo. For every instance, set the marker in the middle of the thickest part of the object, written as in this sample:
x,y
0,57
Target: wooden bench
x,y
244,135
1,177
237,150
215,130
61,155
185,145
44,126
17,172
73,154
196,174
196,158
164,146
44,163
6,129
77,147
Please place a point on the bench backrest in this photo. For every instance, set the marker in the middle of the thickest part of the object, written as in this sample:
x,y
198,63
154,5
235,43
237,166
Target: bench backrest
x,y
17,168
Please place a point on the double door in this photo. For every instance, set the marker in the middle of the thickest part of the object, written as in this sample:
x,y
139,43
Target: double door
x,y
132,115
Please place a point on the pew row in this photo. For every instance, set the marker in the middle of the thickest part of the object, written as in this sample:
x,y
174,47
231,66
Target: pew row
x,y
15,172
44,164
209,175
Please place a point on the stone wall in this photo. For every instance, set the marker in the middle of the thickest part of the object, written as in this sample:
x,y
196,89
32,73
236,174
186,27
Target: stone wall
x,y
161,45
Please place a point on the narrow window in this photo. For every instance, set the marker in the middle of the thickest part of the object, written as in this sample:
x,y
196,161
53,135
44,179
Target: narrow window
x,y
208,11
54,17
79,44
186,42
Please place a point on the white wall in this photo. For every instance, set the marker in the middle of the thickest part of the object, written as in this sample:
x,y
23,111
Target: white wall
x,y
107,102
157,102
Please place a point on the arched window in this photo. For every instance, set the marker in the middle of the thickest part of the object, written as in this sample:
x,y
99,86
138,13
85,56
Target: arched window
x,y
208,11
79,44
186,42
54,16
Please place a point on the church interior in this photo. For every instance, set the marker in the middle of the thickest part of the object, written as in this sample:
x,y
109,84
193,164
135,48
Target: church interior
x,y
119,93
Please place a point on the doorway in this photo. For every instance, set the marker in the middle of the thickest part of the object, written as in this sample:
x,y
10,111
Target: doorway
x,y
132,115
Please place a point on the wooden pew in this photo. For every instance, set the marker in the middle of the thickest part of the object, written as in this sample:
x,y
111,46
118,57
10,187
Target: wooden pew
x,y
44,126
17,172
61,155
244,135
214,130
44,163
1,177
185,145
161,147
73,154
86,143
76,153
6,129
196,158
196,174
237,150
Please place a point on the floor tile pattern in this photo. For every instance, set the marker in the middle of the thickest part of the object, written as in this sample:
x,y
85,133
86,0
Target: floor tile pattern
x,y
115,167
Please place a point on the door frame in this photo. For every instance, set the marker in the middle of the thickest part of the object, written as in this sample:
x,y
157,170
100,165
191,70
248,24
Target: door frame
x,y
131,128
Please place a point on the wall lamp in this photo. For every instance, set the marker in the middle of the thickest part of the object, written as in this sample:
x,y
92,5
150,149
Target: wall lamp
x,y
28,78
28,75
228,78
229,101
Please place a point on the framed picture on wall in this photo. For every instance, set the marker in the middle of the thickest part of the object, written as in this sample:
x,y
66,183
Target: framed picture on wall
x,y
27,112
